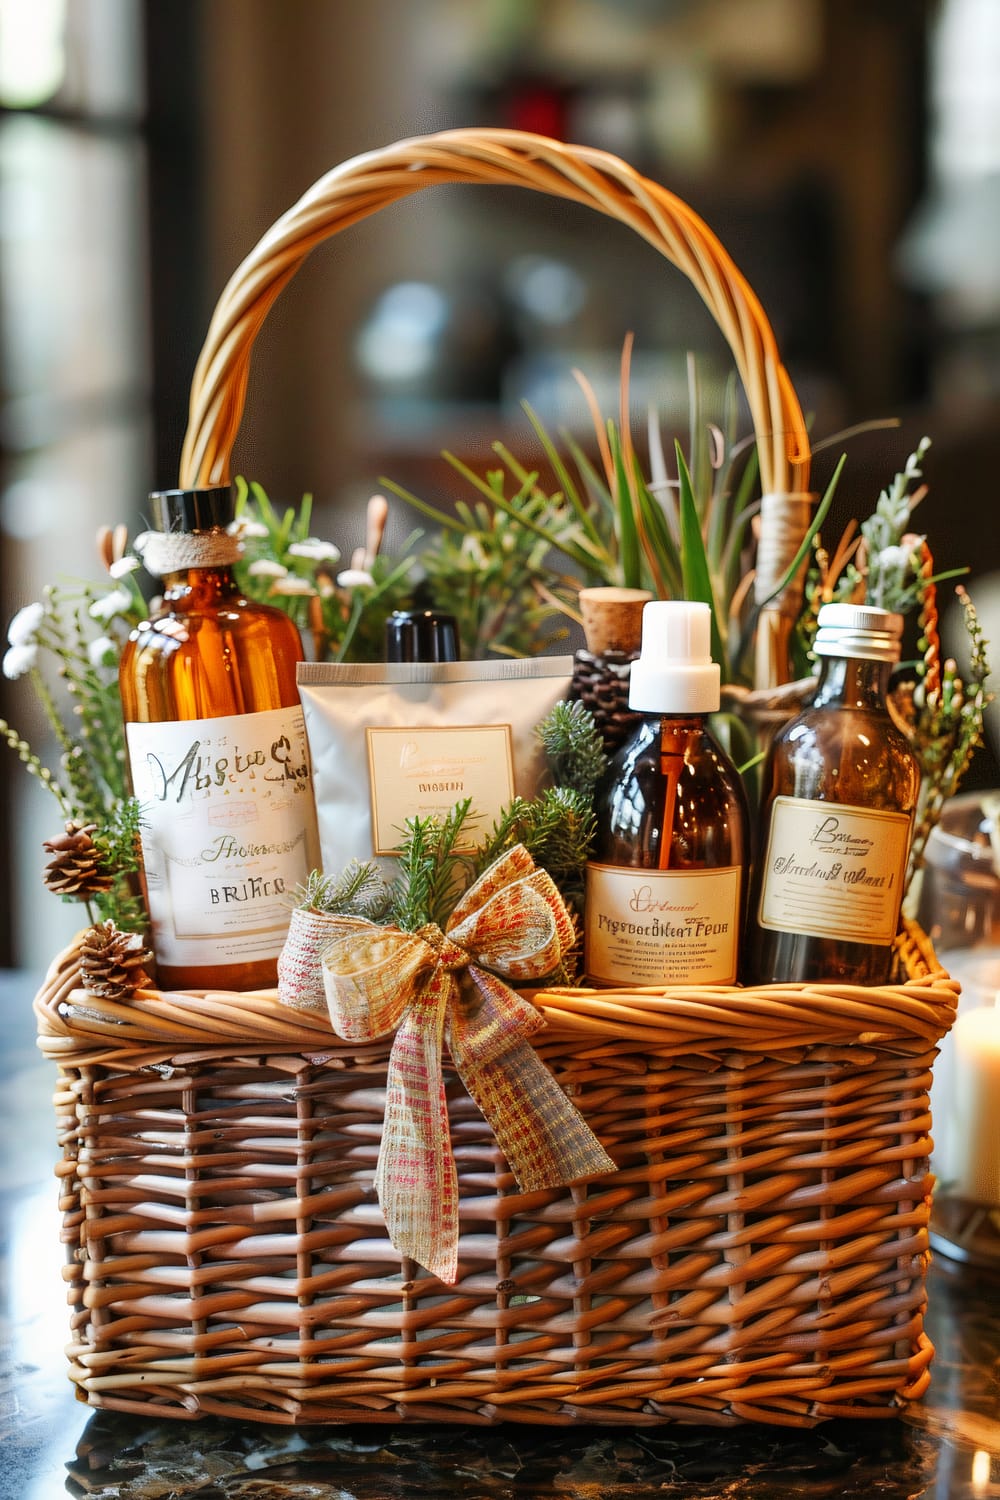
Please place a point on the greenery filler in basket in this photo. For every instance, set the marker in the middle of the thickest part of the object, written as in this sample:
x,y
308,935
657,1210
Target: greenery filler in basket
x,y
710,1216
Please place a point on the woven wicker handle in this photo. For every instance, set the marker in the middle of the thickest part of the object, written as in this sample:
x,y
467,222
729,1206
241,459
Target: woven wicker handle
x,y
367,183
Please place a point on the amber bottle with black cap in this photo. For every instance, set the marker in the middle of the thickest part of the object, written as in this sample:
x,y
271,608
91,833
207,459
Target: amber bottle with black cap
x,y
217,754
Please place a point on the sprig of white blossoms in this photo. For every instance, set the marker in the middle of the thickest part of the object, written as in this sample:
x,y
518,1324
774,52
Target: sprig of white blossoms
x,y
22,636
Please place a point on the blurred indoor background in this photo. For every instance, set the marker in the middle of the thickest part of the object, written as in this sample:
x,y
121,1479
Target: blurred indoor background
x,y
847,152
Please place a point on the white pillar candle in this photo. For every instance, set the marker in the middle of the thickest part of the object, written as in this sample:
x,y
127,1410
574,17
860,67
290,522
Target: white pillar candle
x,y
978,972
975,1148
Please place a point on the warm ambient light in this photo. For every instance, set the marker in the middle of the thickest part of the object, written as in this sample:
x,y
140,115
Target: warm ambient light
x,y
980,1476
32,52
977,1104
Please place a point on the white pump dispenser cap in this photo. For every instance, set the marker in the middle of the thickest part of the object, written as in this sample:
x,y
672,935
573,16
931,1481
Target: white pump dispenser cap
x,y
675,673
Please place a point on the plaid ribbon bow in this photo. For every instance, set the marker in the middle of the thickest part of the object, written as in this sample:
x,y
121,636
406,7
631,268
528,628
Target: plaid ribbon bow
x,y
429,986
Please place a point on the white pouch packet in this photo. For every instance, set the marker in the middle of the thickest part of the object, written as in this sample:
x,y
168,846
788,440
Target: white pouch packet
x,y
396,740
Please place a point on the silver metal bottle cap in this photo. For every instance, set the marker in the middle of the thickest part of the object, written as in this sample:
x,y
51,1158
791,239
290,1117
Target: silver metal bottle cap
x,y
858,630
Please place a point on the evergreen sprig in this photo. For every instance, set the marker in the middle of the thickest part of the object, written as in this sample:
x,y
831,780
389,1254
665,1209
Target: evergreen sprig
x,y
68,645
360,890
433,871
885,569
947,727
557,828
119,845
574,747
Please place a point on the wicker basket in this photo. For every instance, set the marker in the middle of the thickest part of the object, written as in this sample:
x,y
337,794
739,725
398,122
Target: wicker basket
x,y
759,1255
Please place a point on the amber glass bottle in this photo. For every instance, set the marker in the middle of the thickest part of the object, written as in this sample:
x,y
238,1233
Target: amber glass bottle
x,y
839,792
666,888
217,755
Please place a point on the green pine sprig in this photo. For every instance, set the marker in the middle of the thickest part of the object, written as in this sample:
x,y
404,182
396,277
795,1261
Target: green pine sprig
x,y
574,746
557,828
947,729
433,870
117,839
359,890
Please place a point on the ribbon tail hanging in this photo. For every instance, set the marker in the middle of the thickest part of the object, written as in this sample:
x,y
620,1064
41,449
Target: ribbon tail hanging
x,y
416,1178
539,1130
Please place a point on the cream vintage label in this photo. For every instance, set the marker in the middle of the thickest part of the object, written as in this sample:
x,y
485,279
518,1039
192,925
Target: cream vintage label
x,y
228,832
662,926
832,870
423,772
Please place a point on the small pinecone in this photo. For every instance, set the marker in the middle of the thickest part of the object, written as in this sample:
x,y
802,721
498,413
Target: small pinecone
x,y
112,963
76,869
601,683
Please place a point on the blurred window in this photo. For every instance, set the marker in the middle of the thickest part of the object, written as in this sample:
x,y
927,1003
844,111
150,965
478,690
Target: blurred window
x,y
74,301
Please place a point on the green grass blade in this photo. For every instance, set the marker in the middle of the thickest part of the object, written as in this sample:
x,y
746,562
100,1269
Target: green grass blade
x,y
701,471
694,562
596,485
728,574
440,517
808,539
566,481
628,535
658,543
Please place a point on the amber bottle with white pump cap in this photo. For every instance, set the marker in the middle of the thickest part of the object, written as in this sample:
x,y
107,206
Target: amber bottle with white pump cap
x,y
667,885
840,788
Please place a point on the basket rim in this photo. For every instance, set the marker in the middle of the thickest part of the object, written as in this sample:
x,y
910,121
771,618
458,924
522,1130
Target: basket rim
x,y
720,1018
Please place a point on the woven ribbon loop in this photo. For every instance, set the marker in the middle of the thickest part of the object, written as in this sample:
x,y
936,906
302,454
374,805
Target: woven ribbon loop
x,y
431,986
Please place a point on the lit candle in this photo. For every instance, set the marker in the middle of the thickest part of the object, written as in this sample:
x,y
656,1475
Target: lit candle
x,y
975,1153
978,972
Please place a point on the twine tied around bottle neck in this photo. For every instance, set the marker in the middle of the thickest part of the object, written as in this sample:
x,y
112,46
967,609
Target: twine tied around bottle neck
x,y
165,552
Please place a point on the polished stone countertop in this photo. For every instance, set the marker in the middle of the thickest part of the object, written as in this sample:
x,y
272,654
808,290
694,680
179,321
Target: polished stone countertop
x,y
946,1446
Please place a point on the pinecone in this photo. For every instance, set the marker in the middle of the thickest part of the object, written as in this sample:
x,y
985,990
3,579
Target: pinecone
x,y
112,963
76,870
601,682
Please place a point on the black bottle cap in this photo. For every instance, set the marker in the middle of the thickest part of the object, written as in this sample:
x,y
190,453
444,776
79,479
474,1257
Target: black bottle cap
x,y
192,510
420,635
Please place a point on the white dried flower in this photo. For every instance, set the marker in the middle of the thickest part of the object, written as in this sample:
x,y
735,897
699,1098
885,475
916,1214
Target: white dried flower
x,y
315,549
108,606
894,557
23,628
472,548
355,578
265,568
289,586
103,652
123,566
18,660
243,527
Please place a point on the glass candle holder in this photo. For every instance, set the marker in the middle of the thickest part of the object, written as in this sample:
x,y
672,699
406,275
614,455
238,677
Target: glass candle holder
x,y
959,908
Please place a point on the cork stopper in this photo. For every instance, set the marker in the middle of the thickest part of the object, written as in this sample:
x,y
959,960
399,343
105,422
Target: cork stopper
x,y
612,618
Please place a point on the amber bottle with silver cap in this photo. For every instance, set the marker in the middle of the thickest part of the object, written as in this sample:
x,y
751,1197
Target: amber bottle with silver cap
x,y
839,792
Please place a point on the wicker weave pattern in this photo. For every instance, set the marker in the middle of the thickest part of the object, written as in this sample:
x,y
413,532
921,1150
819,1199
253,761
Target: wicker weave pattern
x,y
759,1255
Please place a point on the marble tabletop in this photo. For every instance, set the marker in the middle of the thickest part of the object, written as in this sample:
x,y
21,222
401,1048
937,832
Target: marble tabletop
x,y
946,1446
